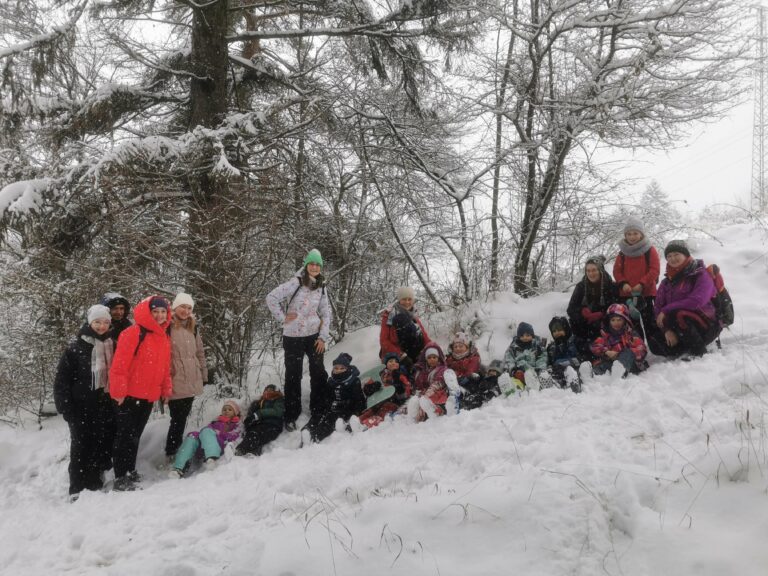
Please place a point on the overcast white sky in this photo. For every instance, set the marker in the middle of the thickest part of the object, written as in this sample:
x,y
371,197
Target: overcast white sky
x,y
713,166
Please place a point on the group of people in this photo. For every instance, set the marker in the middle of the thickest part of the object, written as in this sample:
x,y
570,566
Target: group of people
x,y
112,373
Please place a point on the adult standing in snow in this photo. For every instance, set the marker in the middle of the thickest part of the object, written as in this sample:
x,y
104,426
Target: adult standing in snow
x,y
188,369
119,309
588,304
82,382
140,375
306,325
401,329
636,272
684,310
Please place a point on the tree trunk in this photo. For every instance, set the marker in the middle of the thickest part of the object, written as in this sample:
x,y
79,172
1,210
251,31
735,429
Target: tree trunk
x,y
208,221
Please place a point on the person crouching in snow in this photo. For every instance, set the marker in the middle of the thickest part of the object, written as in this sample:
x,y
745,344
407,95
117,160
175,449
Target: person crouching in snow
x,y
434,383
263,423
464,359
80,393
347,399
563,356
526,360
485,389
685,314
140,375
211,440
618,342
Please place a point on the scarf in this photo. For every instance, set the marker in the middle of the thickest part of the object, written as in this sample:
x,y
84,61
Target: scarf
x,y
593,292
101,358
456,356
672,272
636,249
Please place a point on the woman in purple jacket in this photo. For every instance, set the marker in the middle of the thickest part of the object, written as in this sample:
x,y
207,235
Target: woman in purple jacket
x,y
683,308
211,440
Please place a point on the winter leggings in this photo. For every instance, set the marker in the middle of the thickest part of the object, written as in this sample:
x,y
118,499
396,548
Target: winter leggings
x,y
626,358
295,348
206,439
179,410
84,456
106,419
131,418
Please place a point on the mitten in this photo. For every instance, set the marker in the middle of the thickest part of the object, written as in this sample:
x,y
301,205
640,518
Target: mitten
x,y
594,317
371,387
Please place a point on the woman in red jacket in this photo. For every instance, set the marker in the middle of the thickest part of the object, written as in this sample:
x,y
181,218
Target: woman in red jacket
x,y
636,270
401,329
140,375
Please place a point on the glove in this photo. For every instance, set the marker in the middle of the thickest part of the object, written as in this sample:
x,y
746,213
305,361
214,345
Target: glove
x,y
371,387
592,317
625,289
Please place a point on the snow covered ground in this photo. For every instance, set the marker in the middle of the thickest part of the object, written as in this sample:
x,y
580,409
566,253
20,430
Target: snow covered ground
x,y
660,474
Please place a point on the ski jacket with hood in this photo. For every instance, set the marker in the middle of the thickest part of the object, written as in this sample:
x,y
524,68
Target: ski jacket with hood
x,y
430,382
691,289
311,307
141,368
618,341
465,366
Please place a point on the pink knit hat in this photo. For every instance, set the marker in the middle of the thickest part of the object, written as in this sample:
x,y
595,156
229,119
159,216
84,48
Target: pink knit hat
x,y
235,406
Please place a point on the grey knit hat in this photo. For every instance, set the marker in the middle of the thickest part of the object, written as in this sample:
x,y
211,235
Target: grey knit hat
x,y
634,223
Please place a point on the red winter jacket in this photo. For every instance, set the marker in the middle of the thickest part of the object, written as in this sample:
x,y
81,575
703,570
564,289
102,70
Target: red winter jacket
x,y
637,270
466,366
388,335
142,370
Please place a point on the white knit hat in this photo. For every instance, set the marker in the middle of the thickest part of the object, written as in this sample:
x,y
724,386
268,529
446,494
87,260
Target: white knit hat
x,y
431,352
182,298
406,292
98,312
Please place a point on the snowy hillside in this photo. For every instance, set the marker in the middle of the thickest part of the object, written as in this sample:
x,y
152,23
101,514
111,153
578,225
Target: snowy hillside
x,y
660,474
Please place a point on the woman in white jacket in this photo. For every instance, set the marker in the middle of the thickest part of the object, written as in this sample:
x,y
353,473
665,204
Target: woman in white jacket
x,y
306,323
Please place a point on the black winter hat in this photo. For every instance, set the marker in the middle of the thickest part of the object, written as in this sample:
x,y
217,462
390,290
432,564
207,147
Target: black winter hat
x,y
525,328
343,359
159,302
677,246
391,356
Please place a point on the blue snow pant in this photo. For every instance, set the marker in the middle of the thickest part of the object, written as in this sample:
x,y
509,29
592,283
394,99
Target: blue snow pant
x,y
207,439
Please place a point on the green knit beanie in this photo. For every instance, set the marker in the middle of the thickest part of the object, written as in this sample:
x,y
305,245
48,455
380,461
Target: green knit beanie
x,y
313,257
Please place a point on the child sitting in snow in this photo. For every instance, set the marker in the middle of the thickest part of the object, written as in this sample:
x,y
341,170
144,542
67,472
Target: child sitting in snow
x,y
464,359
212,439
263,423
618,342
393,374
526,360
563,355
346,392
480,391
434,384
